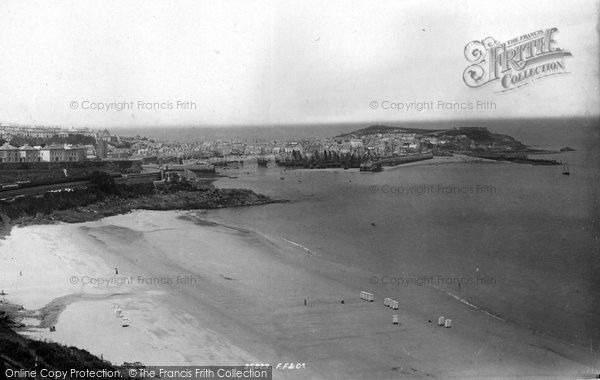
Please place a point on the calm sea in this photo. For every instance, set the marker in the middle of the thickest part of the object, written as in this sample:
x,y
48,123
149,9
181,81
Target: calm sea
x,y
529,131
522,240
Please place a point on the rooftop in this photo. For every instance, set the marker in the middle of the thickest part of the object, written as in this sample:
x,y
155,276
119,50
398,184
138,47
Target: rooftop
x,y
7,146
27,147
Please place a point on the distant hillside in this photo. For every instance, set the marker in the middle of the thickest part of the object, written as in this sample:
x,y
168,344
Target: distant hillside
x,y
480,135
380,128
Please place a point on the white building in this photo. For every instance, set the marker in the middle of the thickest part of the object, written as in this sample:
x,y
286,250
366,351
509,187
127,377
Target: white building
x,y
52,153
63,153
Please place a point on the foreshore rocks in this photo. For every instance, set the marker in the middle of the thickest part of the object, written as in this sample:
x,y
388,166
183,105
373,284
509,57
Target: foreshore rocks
x,y
114,205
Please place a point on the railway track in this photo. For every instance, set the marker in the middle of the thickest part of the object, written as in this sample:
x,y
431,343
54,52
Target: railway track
x,y
40,190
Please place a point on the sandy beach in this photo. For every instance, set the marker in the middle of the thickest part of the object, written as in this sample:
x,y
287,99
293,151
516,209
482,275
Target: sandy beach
x,y
348,190
198,292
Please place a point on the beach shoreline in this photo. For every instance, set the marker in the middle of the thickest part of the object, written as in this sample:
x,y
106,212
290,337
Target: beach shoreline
x,y
114,205
255,287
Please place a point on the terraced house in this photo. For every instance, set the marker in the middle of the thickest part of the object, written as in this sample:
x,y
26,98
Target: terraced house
x,y
9,153
62,153
28,153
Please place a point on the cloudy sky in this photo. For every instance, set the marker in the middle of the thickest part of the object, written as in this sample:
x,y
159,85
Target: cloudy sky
x,y
277,62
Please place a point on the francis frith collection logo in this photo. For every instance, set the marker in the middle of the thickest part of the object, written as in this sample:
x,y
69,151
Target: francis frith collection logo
x,y
515,63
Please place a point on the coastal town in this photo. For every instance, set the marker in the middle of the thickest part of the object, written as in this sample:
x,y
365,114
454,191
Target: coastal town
x,y
35,155
45,144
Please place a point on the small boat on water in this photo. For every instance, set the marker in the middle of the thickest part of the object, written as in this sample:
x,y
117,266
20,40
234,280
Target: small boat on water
x,y
370,167
566,169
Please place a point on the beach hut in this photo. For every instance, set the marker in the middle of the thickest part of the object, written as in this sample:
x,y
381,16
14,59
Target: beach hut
x,y
366,296
441,321
125,322
395,319
448,323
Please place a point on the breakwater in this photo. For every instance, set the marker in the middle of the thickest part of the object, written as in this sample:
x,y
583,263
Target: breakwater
x,y
517,158
397,160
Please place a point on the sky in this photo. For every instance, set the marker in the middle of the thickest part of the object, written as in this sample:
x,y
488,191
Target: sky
x,y
245,62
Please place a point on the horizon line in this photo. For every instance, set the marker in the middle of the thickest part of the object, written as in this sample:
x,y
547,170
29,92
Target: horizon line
x,y
309,124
